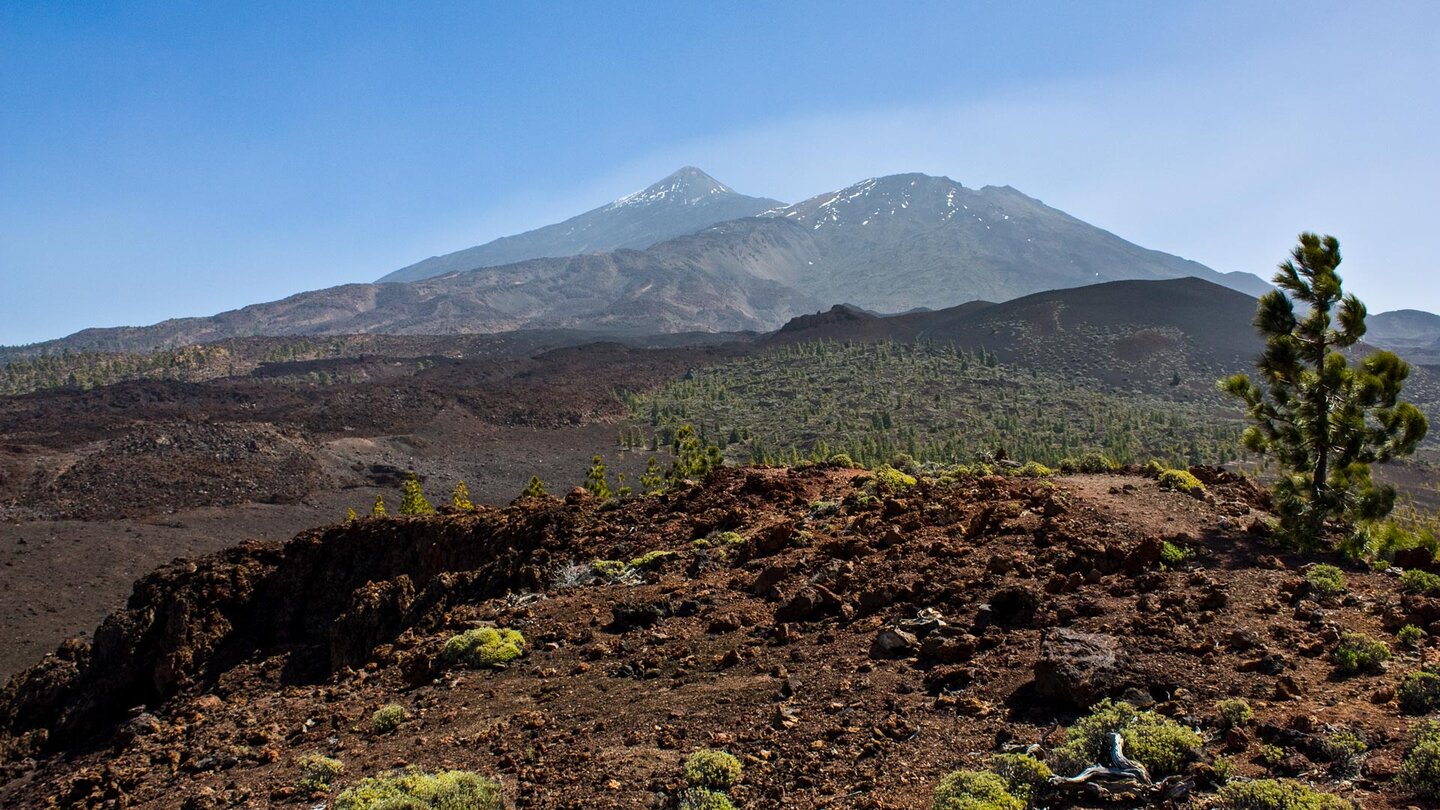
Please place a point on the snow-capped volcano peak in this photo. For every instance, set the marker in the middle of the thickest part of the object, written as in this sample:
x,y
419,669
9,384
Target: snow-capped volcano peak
x,y
905,196
686,186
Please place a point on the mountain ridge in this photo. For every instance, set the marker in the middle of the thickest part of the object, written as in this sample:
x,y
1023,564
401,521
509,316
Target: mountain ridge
x,y
683,202
890,244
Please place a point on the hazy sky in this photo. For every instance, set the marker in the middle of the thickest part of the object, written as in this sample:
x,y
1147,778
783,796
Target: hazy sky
x,y
170,159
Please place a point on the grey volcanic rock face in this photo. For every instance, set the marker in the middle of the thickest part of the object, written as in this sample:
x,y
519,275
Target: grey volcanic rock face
x,y
682,203
911,240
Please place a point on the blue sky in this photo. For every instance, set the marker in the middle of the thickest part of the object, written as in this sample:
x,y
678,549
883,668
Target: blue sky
x,y
169,159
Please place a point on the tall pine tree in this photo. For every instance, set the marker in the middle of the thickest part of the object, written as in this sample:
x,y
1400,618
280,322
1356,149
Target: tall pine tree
x,y
1323,419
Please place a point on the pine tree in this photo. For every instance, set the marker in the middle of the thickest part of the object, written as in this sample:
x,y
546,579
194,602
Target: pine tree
x,y
378,510
596,480
1324,420
652,481
535,489
412,500
460,498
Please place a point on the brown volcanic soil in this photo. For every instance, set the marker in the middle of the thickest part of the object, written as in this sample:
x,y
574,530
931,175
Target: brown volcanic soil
x,y
98,487
248,659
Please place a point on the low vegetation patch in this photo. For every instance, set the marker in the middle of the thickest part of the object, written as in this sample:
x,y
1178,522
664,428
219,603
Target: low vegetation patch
x,y
709,768
388,718
1181,481
975,790
1278,794
704,799
1410,636
417,790
1358,654
1157,742
317,772
1023,774
1420,693
1420,582
484,647
1420,770
1234,713
1173,556
1326,581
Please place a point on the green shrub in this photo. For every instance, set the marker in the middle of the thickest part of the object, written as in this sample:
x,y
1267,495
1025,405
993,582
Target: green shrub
x,y
1234,712
1420,770
1271,756
1358,653
1181,481
1381,540
1089,463
892,480
1421,582
1152,469
388,718
1420,693
1410,636
1022,773
1173,556
1034,469
651,559
1345,749
417,790
483,647
975,790
1157,742
704,799
708,768
1326,581
317,772
1281,794
843,460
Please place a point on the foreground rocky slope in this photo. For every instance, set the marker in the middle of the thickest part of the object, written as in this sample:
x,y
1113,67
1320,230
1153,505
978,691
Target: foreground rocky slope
x,y
851,650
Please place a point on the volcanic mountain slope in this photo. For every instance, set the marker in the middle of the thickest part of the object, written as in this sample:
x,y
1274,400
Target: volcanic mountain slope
x,y
912,240
702,282
682,203
849,650
891,244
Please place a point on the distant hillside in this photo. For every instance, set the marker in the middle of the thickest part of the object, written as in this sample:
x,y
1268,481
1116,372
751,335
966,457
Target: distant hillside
x,y
682,203
1140,332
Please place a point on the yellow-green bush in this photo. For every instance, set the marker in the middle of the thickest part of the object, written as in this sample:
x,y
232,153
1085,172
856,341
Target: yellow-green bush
x,y
1022,773
1421,582
1358,653
1234,712
1181,481
484,647
1157,742
1420,693
417,790
1420,770
388,718
651,559
975,790
1277,794
709,768
1326,581
704,799
317,772
1034,469
892,480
